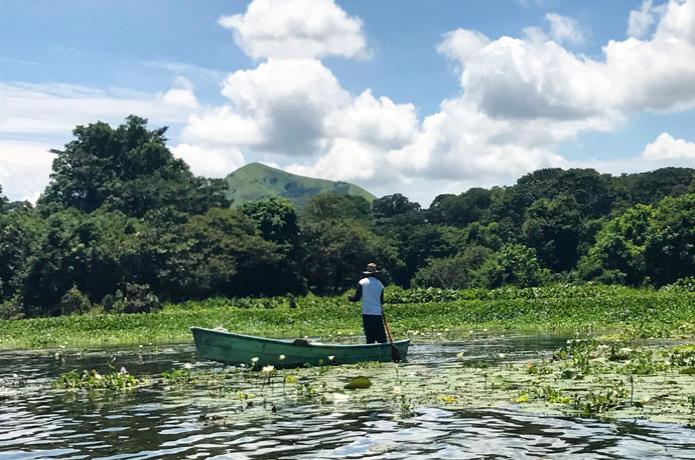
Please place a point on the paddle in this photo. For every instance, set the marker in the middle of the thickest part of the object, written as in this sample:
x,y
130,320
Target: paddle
x,y
395,354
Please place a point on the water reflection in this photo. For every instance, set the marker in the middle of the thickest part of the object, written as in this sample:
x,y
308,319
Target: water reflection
x,y
182,423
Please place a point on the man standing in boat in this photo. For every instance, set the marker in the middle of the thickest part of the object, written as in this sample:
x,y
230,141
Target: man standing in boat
x,y
370,290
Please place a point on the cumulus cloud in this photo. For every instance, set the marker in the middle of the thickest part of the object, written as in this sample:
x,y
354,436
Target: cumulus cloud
x,y
297,107
214,162
297,29
278,107
640,21
517,78
666,147
564,29
346,160
379,122
24,168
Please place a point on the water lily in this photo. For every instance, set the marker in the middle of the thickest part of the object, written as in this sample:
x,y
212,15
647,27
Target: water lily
x,y
254,360
501,355
123,370
188,366
268,369
331,358
397,390
281,357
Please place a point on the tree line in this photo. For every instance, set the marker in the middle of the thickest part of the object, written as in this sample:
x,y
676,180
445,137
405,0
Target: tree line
x,y
123,225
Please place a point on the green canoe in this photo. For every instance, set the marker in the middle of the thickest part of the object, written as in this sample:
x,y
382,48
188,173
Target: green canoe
x,y
231,348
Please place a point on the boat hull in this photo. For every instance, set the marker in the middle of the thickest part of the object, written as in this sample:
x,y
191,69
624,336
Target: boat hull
x,y
236,349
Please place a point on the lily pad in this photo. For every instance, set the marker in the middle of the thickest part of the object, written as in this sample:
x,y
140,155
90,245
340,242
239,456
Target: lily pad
x,y
360,382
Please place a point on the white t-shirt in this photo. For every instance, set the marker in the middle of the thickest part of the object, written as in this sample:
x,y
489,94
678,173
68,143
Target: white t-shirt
x,y
371,295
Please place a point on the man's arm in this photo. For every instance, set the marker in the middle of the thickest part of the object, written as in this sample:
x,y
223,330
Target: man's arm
x,y
358,294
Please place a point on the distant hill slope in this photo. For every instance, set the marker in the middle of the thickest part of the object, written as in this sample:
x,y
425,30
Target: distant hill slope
x,y
256,181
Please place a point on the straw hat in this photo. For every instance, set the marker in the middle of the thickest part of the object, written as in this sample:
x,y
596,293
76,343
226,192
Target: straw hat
x,y
371,269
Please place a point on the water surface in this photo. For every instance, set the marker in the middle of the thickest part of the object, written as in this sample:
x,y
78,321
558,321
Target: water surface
x,y
37,422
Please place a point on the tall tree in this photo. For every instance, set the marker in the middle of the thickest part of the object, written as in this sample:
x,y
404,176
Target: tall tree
x,y
460,210
129,169
552,227
670,246
618,255
393,205
276,219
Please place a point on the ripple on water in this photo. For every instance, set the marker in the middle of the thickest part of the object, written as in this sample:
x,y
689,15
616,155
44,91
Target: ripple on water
x,y
35,423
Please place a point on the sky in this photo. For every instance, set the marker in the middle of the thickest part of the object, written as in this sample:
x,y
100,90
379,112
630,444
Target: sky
x,y
415,97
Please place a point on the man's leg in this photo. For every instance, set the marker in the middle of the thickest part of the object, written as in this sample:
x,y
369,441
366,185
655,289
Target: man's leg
x,y
379,330
367,325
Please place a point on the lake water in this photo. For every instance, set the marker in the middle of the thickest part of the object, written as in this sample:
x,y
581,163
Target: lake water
x,y
38,422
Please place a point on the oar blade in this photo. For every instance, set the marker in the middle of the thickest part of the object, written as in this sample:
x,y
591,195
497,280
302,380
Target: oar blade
x,y
395,354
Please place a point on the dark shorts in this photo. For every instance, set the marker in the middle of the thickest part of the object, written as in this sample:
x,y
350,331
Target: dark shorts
x,y
374,328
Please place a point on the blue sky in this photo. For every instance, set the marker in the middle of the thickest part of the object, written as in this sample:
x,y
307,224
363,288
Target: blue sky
x,y
537,90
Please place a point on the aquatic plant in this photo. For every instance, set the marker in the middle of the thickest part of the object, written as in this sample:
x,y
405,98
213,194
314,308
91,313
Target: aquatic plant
x,y
597,402
93,380
637,312
177,376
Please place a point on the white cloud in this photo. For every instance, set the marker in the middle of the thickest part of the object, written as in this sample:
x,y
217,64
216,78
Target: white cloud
x,y
536,78
346,160
666,147
223,127
58,108
564,29
214,162
297,29
24,168
379,122
298,107
180,95
640,21
462,143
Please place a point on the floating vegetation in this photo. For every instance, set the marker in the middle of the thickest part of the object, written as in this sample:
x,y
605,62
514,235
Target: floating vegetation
x,y
93,380
425,315
360,382
585,377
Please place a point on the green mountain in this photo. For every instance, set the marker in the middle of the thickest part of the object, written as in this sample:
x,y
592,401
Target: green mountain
x,y
256,181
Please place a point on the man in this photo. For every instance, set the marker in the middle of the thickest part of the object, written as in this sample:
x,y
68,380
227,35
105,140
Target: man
x,y
371,291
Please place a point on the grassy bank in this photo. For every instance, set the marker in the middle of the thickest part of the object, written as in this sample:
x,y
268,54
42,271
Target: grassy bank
x,y
419,315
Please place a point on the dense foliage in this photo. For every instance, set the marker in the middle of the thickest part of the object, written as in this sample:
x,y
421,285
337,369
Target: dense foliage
x,y
123,226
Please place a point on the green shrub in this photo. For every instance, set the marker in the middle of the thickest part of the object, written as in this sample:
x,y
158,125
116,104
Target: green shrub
x,y
11,309
74,302
135,298
683,284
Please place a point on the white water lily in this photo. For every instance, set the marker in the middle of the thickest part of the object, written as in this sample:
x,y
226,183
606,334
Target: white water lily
x,y
123,370
268,369
188,366
501,355
397,390
282,357
254,360
331,358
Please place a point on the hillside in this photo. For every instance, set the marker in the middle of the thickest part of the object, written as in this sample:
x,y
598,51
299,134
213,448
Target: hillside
x,y
256,181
